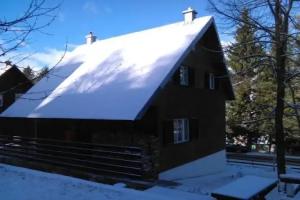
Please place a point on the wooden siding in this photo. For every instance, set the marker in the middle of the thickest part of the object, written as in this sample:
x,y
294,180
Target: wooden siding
x,y
196,102
104,162
11,82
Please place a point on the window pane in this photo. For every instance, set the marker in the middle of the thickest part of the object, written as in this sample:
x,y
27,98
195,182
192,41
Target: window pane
x,y
186,130
1,100
180,137
181,130
184,75
211,81
175,131
18,95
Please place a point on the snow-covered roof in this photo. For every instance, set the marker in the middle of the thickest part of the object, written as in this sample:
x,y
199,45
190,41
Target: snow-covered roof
x,y
4,68
113,78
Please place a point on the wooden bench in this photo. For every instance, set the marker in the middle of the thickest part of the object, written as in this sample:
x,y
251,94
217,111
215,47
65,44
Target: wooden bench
x,y
290,179
247,187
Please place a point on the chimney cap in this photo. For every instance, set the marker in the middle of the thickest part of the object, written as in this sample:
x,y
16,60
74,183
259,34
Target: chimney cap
x,y
89,35
189,15
188,10
90,38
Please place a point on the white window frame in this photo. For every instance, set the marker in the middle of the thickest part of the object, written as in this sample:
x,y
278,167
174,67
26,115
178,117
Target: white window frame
x,y
211,81
181,130
184,75
1,100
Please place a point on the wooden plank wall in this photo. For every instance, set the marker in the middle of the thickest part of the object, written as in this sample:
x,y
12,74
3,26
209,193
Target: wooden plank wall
x,y
114,163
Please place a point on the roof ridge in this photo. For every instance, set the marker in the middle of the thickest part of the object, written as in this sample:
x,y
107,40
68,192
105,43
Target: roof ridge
x,y
149,29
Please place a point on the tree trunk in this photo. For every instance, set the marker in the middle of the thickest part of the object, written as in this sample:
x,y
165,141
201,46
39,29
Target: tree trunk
x,y
279,132
280,37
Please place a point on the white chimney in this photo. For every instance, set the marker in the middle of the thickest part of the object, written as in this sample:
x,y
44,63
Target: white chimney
x,y
90,38
189,15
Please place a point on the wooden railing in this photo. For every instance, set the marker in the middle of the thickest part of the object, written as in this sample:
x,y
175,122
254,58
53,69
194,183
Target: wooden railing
x,y
109,161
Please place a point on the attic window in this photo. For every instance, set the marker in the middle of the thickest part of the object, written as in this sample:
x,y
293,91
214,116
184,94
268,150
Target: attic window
x,y
181,130
1,100
211,81
184,76
18,95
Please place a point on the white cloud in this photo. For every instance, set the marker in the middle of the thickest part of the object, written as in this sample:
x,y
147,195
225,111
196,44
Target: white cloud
x,y
3,68
36,60
227,43
90,7
107,9
93,8
225,46
61,17
41,59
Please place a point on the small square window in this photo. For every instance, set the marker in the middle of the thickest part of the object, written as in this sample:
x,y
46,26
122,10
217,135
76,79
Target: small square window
x,y
18,95
184,76
181,130
1,100
211,81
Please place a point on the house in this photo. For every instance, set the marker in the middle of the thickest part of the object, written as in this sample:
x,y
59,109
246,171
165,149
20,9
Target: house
x,y
165,86
13,83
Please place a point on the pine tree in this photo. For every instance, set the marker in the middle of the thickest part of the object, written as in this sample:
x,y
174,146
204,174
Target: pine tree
x,y
274,22
292,98
250,115
44,71
29,73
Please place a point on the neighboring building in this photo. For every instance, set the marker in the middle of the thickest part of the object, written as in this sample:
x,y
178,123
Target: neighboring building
x,y
164,87
13,83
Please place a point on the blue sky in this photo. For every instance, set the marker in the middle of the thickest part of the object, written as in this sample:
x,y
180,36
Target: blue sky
x,y
106,18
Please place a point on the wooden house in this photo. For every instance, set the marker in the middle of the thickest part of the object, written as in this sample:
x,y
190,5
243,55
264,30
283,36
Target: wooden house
x,y
13,83
165,87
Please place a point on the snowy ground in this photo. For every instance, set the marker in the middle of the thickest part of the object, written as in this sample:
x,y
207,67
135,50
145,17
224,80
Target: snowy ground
x,y
204,185
24,184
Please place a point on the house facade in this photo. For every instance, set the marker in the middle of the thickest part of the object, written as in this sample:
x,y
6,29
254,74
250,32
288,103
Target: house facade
x,y
13,83
167,94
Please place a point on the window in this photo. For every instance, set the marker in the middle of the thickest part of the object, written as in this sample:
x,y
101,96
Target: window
x,y
18,95
1,100
184,75
211,80
181,130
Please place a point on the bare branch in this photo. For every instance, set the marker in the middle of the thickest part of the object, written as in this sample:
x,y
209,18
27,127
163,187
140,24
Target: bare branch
x,y
15,32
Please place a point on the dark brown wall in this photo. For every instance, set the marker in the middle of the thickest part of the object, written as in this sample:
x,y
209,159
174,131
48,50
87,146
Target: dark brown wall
x,y
16,126
97,131
209,109
11,82
205,106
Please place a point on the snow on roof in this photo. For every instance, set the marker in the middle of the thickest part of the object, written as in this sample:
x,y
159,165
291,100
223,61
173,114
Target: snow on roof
x,y
4,68
113,78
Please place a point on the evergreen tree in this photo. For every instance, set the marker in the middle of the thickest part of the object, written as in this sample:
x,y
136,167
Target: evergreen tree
x,y
292,98
274,22
250,115
42,74
29,73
